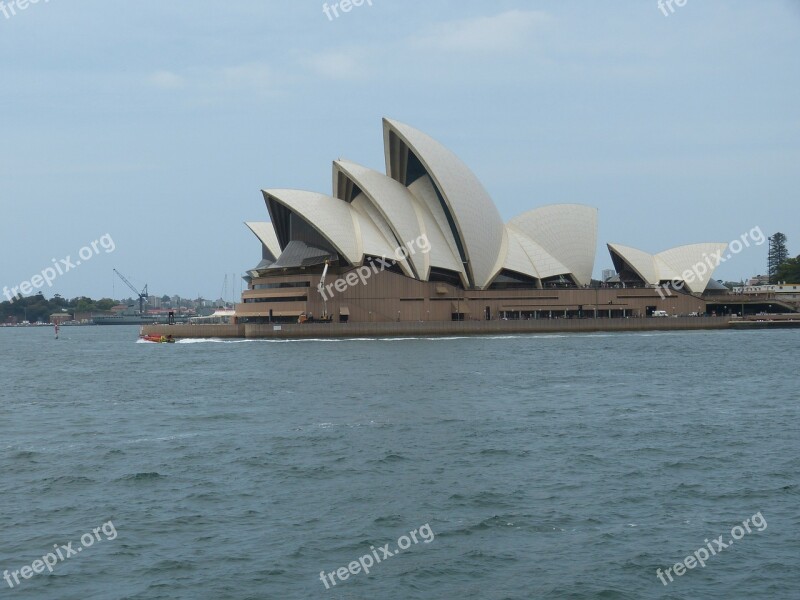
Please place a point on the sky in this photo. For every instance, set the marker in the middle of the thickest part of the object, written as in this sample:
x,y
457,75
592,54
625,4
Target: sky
x,y
157,123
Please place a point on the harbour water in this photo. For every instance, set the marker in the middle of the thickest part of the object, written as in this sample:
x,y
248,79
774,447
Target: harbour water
x,y
546,466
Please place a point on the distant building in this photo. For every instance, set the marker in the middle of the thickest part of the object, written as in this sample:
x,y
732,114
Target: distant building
x,y
758,280
608,274
784,291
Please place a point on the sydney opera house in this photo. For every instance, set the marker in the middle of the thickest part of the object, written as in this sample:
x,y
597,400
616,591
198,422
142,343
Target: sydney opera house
x,y
425,242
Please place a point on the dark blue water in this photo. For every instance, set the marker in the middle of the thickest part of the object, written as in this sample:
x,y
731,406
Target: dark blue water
x,y
550,466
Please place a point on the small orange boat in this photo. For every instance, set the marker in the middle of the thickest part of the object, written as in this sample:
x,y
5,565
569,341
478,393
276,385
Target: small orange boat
x,y
158,339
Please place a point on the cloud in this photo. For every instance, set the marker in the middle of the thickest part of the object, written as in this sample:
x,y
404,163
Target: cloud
x,y
248,77
253,76
166,80
504,32
341,65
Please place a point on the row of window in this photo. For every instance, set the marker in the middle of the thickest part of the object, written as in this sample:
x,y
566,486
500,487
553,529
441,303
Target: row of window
x,y
281,299
285,284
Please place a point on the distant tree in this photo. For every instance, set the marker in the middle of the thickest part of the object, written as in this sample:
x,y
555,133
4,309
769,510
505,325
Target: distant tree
x,y
84,304
105,304
776,256
59,301
789,271
32,308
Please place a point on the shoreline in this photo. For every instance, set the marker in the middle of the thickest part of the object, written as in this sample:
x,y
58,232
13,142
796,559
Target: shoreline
x,y
450,328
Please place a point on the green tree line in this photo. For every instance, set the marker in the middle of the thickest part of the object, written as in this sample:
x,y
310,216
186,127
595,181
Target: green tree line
x,y
780,267
38,308
789,270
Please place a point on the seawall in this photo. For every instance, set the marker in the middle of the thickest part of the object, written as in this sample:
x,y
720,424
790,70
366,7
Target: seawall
x,y
438,328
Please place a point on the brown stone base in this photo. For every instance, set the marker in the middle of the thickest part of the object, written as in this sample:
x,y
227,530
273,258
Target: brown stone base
x,y
439,328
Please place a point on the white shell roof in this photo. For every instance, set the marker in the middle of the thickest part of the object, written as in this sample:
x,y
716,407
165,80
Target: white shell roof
x,y
565,232
265,232
433,222
689,258
516,259
641,262
383,235
476,217
352,234
542,262
683,263
392,200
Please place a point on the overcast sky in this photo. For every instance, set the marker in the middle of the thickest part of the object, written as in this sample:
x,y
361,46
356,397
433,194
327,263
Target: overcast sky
x,y
158,122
